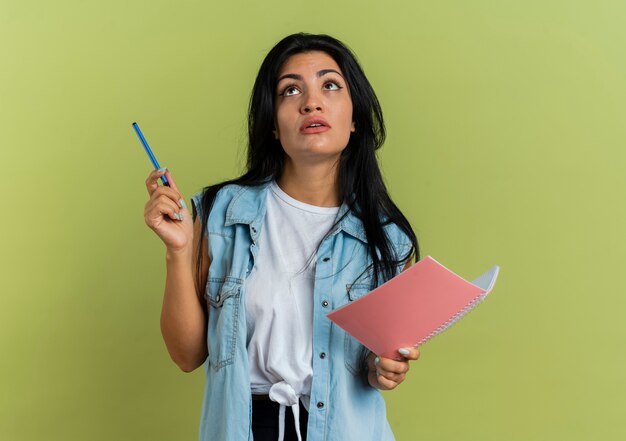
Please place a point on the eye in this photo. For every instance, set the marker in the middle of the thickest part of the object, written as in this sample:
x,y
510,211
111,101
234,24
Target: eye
x,y
331,85
290,91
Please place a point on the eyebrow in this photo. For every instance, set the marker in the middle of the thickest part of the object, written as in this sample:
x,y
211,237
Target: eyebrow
x,y
319,74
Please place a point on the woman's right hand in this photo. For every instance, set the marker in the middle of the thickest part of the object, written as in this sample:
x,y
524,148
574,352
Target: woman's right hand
x,y
166,213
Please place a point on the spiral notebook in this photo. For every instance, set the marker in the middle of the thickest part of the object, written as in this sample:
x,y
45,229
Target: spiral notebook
x,y
413,307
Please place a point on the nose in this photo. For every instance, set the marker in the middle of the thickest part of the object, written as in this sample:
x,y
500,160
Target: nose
x,y
311,103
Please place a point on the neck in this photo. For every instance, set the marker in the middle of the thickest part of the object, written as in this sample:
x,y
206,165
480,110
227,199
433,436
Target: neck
x,y
314,184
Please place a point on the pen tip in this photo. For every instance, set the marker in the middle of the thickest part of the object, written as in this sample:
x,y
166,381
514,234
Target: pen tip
x,y
134,123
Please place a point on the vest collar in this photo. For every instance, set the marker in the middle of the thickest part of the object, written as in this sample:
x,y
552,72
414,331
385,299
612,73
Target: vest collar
x,y
350,224
248,207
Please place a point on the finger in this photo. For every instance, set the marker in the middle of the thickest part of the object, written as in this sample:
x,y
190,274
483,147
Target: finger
x,y
385,383
172,182
393,366
158,212
392,376
158,208
160,198
152,183
410,353
170,179
170,193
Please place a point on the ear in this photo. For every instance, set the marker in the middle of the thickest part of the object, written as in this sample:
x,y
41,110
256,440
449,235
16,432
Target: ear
x,y
353,127
275,132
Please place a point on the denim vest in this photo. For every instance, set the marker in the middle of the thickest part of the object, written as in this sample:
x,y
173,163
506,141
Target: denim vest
x,y
343,405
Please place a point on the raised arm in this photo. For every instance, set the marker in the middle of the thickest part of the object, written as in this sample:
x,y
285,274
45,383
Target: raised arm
x,y
184,311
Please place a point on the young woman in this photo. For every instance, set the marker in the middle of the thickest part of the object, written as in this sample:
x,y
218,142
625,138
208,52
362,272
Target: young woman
x,y
308,228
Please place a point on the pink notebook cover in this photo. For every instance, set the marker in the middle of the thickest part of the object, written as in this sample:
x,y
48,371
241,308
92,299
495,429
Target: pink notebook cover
x,y
411,308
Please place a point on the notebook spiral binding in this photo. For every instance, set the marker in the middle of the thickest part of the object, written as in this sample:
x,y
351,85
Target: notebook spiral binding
x,y
453,319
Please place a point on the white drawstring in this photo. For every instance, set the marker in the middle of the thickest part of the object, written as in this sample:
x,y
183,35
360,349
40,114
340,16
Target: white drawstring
x,y
281,423
283,394
296,419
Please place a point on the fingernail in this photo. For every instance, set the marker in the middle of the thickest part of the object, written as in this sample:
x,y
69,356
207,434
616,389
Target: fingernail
x,y
377,360
182,203
162,169
180,216
404,351
377,373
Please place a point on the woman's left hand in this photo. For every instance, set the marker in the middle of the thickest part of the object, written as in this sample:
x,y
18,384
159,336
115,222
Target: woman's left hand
x,y
387,373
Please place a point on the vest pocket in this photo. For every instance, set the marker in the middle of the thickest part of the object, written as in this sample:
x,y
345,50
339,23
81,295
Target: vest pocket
x,y
224,298
355,353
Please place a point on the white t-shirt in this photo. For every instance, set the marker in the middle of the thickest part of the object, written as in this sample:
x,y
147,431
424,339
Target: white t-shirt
x,y
279,298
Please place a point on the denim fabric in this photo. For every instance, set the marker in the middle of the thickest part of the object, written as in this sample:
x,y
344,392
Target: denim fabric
x,y
343,405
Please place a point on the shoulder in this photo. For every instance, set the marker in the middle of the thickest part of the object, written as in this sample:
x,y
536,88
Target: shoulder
x,y
222,199
394,232
398,239
232,203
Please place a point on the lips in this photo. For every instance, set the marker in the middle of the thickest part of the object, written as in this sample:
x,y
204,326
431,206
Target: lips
x,y
315,125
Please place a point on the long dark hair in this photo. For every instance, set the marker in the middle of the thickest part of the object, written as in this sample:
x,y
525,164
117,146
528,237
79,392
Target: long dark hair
x,y
361,185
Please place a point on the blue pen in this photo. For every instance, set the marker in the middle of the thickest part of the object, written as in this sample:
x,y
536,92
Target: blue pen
x,y
149,152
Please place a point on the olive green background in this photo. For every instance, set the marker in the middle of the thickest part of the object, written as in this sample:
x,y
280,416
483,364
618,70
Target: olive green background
x,y
506,146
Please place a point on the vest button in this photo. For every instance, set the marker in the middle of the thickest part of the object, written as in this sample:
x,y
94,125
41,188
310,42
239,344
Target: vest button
x,y
326,259
320,405
325,304
322,355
